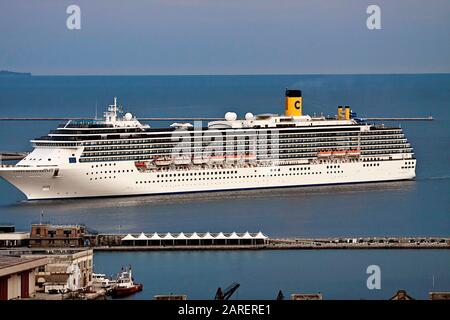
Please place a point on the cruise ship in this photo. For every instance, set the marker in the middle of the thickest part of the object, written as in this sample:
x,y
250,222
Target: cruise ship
x,y
120,156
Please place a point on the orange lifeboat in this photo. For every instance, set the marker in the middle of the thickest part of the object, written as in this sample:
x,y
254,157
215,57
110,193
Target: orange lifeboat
x,y
140,164
339,153
324,153
354,153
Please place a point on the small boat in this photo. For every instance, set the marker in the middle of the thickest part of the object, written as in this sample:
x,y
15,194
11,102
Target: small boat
x,y
125,285
324,154
100,280
140,164
250,157
182,160
163,161
339,153
199,160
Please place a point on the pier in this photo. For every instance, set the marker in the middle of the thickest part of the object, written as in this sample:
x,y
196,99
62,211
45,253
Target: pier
x,y
45,236
5,156
116,242
429,118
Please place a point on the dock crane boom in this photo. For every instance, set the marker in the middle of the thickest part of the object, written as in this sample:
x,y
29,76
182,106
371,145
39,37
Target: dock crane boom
x,y
227,293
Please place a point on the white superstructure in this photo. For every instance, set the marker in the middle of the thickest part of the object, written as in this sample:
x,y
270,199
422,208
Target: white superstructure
x,y
120,156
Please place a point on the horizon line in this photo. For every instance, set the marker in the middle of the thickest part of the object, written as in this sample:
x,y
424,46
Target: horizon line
x,y
232,74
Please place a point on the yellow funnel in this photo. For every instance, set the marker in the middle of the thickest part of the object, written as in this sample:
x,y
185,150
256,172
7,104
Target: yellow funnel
x,y
293,103
347,113
340,115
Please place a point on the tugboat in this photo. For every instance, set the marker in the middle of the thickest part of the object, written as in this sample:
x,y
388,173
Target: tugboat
x,y
125,285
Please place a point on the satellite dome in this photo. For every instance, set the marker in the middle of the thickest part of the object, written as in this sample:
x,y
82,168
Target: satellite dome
x,y
249,116
128,116
230,116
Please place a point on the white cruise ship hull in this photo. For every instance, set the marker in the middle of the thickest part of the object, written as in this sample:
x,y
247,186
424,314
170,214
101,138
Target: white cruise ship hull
x,y
123,179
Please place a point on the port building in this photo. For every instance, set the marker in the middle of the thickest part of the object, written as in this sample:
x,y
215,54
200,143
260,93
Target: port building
x,y
17,276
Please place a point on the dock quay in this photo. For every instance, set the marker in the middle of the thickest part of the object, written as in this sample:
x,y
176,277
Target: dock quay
x,y
8,156
47,236
114,243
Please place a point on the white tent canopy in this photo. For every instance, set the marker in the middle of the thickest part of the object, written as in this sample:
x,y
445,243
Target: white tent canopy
x,y
233,236
247,236
260,235
181,236
168,236
155,236
142,236
207,236
194,236
128,237
221,236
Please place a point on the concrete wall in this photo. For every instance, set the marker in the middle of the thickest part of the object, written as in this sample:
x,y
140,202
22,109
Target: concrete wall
x,y
15,282
14,286
32,283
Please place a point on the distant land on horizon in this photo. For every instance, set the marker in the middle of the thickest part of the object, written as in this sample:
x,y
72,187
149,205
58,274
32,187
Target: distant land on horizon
x,y
217,74
6,73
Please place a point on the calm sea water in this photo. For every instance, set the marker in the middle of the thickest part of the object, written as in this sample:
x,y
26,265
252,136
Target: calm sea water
x,y
419,207
337,274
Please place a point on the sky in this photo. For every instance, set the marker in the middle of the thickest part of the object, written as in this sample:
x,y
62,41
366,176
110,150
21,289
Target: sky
x,y
166,37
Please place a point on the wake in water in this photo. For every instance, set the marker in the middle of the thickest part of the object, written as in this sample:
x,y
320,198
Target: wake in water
x,y
444,177
220,196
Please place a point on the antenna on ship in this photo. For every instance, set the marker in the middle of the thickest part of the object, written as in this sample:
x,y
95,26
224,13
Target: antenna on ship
x,y
111,115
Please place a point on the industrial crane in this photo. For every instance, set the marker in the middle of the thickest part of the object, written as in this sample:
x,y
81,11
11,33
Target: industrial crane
x,y
227,293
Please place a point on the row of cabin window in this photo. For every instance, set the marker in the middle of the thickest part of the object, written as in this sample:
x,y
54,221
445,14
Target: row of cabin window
x,y
111,171
371,165
301,168
101,165
104,178
240,177
194,174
